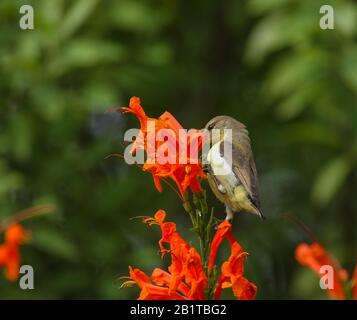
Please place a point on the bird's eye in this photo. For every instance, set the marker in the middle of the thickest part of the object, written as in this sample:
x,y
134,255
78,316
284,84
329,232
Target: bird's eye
x,y
211,126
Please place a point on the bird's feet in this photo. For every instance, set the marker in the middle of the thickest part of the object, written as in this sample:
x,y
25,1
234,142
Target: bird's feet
x,y
229,215
205,168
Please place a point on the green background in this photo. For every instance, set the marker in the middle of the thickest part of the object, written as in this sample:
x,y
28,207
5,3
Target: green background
x,y
264,62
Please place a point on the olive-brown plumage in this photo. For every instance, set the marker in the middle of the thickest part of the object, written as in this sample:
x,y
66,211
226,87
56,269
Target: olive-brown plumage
x,y
238,187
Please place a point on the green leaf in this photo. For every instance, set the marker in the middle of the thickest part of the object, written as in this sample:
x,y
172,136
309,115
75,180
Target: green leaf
x,y
266,37
279,31
296,70
349,67
22,131
313,133
137,16
346,19
156,54
330,179
88,52
77,15
9,180
296,102
55,243
265,6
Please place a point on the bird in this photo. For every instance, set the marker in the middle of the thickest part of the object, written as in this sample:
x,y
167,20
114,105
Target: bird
x,y
230,166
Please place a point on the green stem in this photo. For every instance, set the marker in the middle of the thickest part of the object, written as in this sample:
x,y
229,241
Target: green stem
x,y
188,208
203,223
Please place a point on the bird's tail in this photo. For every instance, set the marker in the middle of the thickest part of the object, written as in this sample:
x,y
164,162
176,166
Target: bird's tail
x,y
259,213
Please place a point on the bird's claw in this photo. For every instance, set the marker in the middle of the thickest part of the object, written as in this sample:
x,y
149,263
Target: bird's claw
x,y
205,168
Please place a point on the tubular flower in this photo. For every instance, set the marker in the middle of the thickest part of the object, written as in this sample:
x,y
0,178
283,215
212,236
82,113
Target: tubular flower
x,y
151,288
232,276
232,270
162,139
224,231
186,278
314,256
186,262
15,235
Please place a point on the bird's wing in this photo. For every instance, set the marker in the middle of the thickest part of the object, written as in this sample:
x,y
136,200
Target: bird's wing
x,y
244,168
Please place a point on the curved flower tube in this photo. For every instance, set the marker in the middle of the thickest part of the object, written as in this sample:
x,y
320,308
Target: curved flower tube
x,y
184,169
186,278
315,256
15,235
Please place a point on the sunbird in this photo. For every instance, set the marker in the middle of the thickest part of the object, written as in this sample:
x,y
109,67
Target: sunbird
x,y
230,166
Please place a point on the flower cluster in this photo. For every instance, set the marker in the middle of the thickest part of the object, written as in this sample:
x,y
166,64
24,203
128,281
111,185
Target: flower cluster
x,y
14,236
232,270
184,169
314,256
186,278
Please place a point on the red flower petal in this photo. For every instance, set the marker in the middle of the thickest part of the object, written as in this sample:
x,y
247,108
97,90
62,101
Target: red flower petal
x,y
224,231
140,277
15,235
243,289
159,151
152,292
314,256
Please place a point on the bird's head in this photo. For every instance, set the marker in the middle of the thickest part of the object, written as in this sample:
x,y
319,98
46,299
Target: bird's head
x,y
223,123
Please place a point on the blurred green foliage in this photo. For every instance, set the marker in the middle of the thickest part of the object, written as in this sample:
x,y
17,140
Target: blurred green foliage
x,y
265,62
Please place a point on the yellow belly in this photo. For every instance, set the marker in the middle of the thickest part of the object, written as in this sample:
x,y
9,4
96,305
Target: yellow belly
x,y
241,200
236,198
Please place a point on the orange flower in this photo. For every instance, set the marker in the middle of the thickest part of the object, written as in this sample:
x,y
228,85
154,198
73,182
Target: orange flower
x,y
10,250
195,277
186,262
233,269
232,276
314,256
185,279
224,231
183,167
163,278
354,284
168,229
151,288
